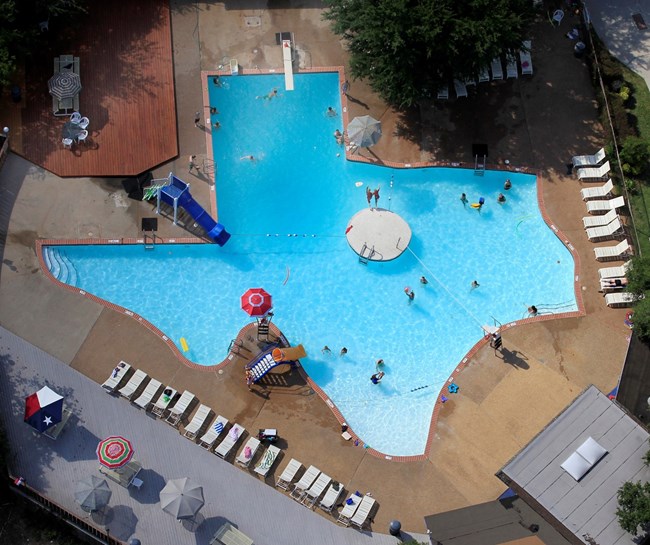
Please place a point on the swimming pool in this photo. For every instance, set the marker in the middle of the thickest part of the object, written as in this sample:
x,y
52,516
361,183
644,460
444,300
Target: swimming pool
x,y
288,210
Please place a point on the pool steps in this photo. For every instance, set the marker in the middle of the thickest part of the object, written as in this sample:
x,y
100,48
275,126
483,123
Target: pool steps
x,y
60,266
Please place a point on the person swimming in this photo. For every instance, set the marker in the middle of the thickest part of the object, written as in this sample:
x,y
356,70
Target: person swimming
x,y
501,198
376,378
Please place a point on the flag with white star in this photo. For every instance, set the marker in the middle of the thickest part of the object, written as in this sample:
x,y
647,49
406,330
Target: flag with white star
x,y
43,409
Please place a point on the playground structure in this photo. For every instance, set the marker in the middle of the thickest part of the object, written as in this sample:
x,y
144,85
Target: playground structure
x,y
272,358
176,193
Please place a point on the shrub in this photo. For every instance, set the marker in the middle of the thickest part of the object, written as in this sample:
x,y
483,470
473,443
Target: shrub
x,y
635,156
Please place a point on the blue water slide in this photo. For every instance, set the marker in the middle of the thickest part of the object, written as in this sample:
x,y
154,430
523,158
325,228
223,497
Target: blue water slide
x,y
179,191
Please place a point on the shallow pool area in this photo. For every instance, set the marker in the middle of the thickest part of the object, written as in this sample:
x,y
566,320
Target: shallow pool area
x,y
288,209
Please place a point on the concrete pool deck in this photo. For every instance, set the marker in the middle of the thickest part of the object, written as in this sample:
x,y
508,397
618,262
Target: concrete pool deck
x,y
505,398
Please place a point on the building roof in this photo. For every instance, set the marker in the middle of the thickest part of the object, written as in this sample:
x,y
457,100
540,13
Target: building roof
x,y
584,505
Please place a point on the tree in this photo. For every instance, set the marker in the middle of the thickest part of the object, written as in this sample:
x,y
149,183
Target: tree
x,y
408,49
633,506
635,155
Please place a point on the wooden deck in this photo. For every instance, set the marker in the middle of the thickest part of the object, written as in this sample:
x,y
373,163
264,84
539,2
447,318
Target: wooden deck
x,y
127,76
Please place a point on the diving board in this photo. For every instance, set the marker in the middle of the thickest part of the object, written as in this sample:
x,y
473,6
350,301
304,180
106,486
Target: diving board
x,y
288,64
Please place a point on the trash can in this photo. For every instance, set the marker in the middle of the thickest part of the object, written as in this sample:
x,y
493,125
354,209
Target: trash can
x,y
394,528
579,50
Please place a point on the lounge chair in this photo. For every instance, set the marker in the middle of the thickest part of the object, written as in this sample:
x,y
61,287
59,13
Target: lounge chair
x,y
145,399
483,75
214,431
511,67
195,425
134,383
605,253
600,192
460,88
589,160
443,93
600,207
311,495
331,497
525,58
246,455
469,82
349,509
497,68
362,515
116,376
620,299
289,474
229,441
305,482
267,461
594,173
613,272
178,410
597,221
163,402
611,230
613,284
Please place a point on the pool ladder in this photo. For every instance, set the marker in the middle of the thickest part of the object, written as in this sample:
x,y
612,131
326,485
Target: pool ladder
x,y
363,259
479,165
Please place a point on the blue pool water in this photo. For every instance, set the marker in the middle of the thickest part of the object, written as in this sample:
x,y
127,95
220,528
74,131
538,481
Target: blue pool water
x,y
298,184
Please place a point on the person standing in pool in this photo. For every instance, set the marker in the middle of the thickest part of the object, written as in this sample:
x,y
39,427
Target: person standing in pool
x,y
343,352
376,378
475,284
375,194
507,185
331,112
369,196
463,198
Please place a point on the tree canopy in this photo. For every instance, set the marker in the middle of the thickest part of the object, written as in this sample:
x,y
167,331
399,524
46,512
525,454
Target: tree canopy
x,y
19,28
633,510
408,49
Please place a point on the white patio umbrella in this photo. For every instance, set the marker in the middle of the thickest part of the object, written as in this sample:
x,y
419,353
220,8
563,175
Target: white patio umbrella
x,y
92,493
364,131
182,498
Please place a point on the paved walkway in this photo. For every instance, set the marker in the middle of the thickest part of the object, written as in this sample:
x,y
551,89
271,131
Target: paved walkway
x,y
54,467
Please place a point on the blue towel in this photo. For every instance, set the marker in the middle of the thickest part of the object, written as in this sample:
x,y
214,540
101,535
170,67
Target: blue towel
x,y
218,427
349,501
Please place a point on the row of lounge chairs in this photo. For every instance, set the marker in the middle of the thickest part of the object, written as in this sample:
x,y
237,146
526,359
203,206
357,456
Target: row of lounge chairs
x,y
605,224
496,69
317,488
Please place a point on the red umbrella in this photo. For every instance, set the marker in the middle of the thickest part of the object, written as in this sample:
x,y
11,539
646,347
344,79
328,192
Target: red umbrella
x,y
114,452
256,302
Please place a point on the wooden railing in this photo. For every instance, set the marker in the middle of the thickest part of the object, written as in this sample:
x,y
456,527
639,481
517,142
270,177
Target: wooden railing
x,y
4,151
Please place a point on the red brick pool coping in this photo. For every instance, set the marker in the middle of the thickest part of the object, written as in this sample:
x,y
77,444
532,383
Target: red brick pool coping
x,y
439,404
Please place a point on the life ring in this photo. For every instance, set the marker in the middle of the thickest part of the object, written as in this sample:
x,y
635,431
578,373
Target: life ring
x,y
628,319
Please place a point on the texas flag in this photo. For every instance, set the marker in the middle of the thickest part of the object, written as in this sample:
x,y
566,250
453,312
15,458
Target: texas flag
x,y
43,409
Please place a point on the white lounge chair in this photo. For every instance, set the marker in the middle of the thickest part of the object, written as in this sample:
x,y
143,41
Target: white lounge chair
x,y
246,455
117,374
195,425
594,173
497,68
460,88
267,460
605,253
511,67
443,93
145,399
134,383
610,230
163,402
612,284
599,192
331,497
214,431
469,82
349,509
289,474
231,439
614,272
362,515
483,75
305,482
311,495
178,410
589,160
595,221
525,58
620,299
600,207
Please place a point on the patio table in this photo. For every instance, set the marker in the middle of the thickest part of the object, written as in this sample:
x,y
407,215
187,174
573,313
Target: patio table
x,y
71,130
123,475
229,535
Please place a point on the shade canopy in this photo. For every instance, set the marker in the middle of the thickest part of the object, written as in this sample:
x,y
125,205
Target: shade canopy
x,y
364,131
114,451
43,409
64,85
182,498
256,302
92,493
